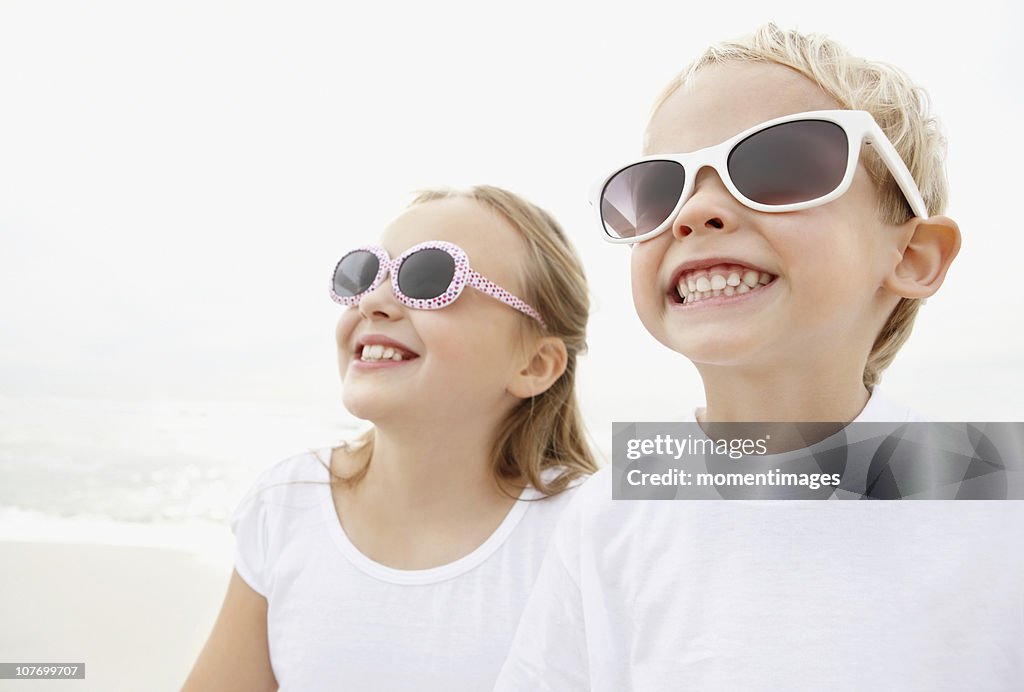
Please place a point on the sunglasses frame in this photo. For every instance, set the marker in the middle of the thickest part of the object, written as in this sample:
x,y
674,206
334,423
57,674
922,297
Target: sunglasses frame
x,y
463,275
860,128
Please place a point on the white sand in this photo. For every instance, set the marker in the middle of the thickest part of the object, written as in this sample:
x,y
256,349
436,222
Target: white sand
x,y
137,617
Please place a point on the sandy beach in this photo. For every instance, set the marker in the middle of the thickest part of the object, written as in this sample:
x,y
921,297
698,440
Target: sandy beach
x,y
136,616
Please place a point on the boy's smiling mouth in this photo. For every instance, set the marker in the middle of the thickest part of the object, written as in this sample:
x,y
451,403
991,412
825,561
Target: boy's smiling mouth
x,y
702,280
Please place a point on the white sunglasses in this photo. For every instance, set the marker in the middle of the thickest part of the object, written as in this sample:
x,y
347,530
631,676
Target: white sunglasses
x,y
790,163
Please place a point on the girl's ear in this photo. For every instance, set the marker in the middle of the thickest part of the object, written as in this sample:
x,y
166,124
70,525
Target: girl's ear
x,y
932,246
544,366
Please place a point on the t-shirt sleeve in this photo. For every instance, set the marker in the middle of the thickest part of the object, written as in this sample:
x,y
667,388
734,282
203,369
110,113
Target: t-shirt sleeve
x,y
549,651
249,524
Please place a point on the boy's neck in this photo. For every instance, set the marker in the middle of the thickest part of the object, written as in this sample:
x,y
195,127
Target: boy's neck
x,y
783,395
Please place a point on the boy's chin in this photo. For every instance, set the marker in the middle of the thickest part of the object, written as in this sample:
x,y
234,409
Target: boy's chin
x,y
721,350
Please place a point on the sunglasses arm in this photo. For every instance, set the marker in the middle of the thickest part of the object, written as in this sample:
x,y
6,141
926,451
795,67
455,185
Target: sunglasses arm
x,y
900,172
492,289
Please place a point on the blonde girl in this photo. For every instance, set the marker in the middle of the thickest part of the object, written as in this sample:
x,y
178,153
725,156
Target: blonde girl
x,y
402,560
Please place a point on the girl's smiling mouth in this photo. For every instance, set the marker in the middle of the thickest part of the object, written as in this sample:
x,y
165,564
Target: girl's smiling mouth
x,y
375,350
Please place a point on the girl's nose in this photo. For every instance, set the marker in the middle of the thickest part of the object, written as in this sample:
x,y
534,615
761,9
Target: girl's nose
x,y
380,303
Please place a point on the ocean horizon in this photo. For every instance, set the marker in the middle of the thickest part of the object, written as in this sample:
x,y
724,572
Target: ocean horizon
x,y
149,472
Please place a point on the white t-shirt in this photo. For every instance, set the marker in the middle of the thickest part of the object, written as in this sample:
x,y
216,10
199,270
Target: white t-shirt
x,y
776,595
337,620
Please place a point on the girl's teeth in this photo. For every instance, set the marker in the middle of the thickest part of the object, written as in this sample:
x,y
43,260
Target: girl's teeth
x,y
764,278
728,290
717,282
380,352
750,278
734,279
743,288
703,284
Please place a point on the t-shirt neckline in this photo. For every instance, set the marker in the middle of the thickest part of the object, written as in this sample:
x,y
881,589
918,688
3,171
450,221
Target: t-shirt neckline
x,y
878,409
417,576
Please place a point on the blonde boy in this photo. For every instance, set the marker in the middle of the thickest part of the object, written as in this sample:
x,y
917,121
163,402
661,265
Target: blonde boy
x,y
789,271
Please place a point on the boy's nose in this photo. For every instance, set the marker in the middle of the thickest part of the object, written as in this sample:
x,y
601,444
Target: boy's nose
x,y
709,208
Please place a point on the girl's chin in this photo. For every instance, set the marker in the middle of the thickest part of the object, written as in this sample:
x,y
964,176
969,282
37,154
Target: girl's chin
x,y
368,406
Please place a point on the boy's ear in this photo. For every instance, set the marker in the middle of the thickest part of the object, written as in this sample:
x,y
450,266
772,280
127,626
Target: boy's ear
x,y
932,245
545,365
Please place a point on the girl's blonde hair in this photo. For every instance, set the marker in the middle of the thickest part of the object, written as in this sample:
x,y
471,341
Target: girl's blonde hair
x,y
545,431
898,106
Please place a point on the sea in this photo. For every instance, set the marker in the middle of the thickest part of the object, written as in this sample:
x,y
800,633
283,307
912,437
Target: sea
x,y
149,472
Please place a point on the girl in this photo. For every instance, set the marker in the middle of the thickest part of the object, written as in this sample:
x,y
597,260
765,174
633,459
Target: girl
x,y
403,560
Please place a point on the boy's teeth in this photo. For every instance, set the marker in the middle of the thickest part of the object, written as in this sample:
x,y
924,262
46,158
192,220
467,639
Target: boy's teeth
x,y
710,285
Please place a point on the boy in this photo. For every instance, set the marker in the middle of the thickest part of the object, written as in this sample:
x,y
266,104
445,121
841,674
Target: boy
x,y
788,316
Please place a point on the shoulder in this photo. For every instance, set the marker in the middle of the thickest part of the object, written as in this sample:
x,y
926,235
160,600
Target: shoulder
x,y
310,464
598,487
289,479
561,498
539,509
883,409
584,497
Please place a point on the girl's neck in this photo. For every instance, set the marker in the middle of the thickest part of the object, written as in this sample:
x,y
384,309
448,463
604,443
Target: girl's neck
x,y
433,468
428,497
784,394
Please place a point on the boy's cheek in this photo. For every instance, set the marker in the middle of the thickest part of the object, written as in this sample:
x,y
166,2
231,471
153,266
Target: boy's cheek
x,y
647,303
644,275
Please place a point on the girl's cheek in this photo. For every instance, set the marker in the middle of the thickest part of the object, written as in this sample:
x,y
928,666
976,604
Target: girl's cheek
x,y
344,328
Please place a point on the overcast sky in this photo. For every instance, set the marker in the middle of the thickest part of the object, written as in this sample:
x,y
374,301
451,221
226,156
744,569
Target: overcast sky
x,y
178,179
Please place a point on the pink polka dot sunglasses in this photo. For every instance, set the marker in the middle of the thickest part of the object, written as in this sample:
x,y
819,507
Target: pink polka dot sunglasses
x,y
428,276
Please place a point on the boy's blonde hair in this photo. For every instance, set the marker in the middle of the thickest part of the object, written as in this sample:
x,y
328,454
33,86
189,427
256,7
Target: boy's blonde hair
x,y
545,431
898,106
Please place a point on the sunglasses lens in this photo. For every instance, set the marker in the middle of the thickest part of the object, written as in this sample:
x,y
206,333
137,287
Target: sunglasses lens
x,y
355,273
641,197
789,163
426,274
